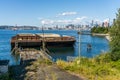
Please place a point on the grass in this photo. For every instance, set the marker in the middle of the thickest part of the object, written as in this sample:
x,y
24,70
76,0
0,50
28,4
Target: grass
x,y
98,68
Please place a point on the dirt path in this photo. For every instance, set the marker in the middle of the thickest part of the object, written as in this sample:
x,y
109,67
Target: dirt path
x,y
54,73
51,72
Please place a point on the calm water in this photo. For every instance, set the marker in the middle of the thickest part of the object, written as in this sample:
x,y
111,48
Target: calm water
x,y
99,44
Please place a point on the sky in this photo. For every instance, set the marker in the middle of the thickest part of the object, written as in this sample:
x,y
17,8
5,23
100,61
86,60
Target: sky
x,y
53,12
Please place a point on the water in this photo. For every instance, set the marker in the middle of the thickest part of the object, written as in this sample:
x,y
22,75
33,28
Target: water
x,y
99,44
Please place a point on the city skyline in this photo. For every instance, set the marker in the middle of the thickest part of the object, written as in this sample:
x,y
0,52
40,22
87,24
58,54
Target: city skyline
x,y
37,13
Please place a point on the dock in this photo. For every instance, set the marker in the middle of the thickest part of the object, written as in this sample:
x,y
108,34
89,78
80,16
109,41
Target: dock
x,y
32,54
28,54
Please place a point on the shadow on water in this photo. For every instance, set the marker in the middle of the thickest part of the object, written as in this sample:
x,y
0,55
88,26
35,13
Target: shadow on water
x,y
16,58
61,52
18,71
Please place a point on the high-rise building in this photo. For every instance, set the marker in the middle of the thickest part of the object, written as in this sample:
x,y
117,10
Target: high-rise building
x,y
106,24
92,23
102,24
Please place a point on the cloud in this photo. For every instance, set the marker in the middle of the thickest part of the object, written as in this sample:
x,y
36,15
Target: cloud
x,y
39,18
106,20
81,18
64,21
97,20
77,20
67,14
47,21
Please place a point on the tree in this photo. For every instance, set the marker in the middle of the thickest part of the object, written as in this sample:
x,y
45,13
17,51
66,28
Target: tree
x,y
115,38
99,30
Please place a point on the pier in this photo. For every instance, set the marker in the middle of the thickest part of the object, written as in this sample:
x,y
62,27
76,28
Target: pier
x,y
32,54
28,54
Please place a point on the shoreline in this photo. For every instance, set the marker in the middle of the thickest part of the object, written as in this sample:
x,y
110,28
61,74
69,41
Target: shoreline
x,y
107,36
99,34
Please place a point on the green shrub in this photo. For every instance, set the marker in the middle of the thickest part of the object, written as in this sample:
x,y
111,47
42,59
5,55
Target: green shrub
x,y
102,71
116,64
5,77
115,38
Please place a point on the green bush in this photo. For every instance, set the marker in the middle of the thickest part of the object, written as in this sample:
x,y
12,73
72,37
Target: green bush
x,y
5,77
103,58
102,71
116,64
115,55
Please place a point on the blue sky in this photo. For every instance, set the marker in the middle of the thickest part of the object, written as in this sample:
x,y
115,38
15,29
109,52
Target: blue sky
x,y
39,12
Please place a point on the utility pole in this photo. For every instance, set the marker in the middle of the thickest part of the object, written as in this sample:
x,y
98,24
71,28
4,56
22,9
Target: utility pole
x,y
43,40
16,42
79,44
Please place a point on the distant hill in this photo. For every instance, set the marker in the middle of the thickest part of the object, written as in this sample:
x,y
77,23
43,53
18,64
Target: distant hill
x,y
19,27
5,27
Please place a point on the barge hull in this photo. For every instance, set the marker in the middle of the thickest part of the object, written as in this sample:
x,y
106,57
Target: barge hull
x,y
39,44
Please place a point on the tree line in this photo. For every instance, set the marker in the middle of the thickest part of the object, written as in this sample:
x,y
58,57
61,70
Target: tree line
x,y
100,30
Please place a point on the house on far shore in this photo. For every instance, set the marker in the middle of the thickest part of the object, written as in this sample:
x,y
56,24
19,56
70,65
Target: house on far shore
x,y
4,66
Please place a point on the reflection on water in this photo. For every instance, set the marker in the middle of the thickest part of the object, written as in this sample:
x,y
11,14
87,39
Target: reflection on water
x,y
61,52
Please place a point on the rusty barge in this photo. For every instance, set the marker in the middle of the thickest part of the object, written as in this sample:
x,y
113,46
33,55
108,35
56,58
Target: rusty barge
x,y
28,40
